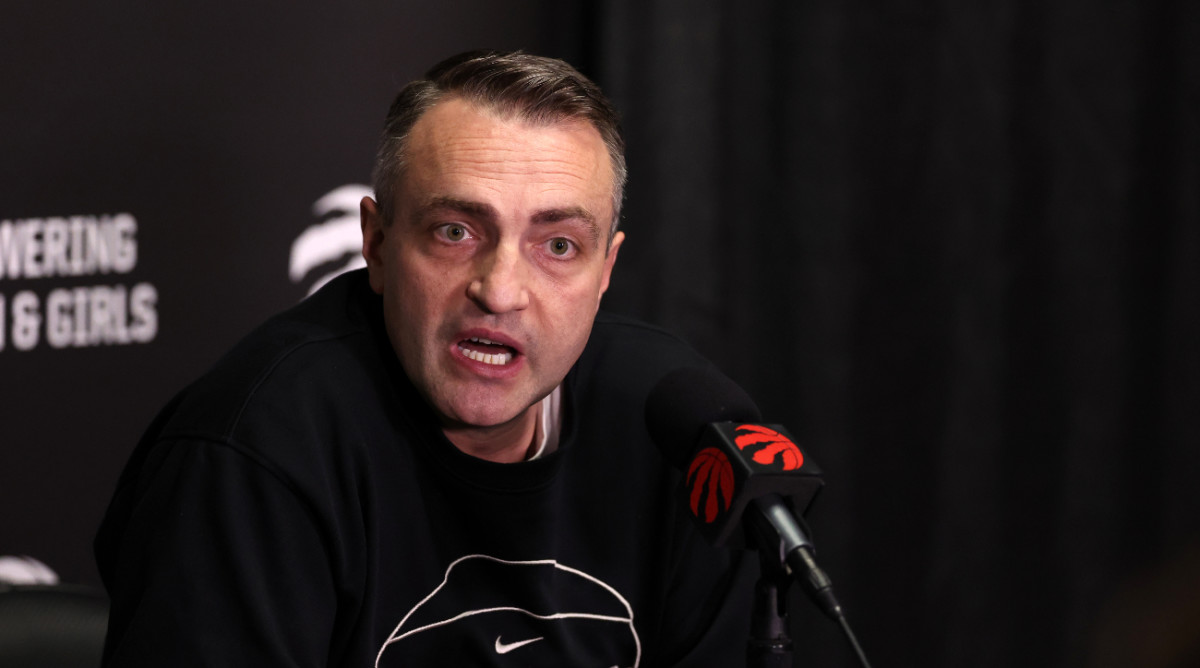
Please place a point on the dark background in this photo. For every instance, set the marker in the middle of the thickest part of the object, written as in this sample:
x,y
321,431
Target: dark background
x,y
956,250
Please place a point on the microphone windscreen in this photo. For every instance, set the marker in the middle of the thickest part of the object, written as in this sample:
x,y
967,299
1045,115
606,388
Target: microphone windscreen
x,y
688,399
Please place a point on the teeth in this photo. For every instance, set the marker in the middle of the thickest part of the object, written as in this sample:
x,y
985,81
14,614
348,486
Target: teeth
x,y
476,339
499,359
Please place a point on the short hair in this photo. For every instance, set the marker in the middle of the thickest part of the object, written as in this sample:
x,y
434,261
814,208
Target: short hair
x,y
533,88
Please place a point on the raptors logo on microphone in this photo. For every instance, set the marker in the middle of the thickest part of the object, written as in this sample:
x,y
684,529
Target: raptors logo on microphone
x,y
711,479
710,472
774,446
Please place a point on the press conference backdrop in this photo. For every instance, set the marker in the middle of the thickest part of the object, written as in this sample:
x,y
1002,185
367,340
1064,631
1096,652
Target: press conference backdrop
x,y
171,174
955,248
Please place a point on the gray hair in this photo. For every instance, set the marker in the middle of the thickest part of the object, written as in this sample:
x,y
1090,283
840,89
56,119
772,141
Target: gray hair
x,y
535,89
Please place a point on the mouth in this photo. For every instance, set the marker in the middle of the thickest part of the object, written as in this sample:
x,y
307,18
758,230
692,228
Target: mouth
x,y
487,351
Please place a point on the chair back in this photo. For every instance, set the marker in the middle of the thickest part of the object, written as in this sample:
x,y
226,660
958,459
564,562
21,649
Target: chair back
x,y
51,626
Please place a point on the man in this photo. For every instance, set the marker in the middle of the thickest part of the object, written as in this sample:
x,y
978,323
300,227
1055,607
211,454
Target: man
x,y
440,459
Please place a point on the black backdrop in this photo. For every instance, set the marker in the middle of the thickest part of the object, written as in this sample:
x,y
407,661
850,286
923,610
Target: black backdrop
x,y
954,249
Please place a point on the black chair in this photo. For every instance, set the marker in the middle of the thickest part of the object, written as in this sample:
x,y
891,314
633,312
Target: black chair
x,y
51,626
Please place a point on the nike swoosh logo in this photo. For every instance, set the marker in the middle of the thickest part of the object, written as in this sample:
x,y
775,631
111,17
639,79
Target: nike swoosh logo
x,y
505,648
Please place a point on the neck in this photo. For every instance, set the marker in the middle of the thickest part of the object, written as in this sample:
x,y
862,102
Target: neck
x,y
505,443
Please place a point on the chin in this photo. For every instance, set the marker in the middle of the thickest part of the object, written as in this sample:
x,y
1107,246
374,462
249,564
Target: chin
x,y
481,415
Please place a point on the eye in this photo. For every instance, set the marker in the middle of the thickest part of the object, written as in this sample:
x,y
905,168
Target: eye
x,y
453,232
560,246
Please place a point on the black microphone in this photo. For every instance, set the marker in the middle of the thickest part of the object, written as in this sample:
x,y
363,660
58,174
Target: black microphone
x,y
737,472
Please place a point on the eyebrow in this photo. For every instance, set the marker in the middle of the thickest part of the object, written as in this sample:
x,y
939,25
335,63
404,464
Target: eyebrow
x,y
481,210
455,204
570,213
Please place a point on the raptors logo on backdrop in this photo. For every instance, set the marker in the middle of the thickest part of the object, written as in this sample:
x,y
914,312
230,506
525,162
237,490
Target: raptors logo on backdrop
x,y
332,245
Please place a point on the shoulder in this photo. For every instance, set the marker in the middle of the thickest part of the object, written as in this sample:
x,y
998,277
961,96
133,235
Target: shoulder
x,y
626,357
613,333
321,350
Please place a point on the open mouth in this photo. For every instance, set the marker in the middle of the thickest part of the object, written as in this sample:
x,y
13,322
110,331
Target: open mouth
x,y
486,351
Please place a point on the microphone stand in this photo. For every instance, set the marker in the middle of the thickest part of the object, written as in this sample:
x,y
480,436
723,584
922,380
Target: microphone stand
x,y
769,645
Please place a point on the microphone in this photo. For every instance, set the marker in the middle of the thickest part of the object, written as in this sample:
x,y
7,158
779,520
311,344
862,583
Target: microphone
x,y
738,472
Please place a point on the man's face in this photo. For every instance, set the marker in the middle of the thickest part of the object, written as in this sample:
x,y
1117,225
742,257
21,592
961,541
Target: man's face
x,y
493,265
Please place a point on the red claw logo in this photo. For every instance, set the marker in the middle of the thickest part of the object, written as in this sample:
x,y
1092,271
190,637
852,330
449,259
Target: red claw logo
x,y
710,470
774,445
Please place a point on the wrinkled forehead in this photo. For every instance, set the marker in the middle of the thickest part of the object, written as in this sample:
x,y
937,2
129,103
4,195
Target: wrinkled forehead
x,y
457,137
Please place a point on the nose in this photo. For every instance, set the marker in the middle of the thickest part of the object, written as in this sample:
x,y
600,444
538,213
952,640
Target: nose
x,y
501,281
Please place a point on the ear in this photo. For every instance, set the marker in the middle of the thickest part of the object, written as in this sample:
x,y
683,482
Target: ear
x,y
372,241
609,260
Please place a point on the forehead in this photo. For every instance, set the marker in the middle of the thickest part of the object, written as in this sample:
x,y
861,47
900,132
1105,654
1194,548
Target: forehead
x,y
458,143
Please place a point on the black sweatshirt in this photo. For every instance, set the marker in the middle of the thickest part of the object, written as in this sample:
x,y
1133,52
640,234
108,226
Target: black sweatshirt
x,y
299,506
